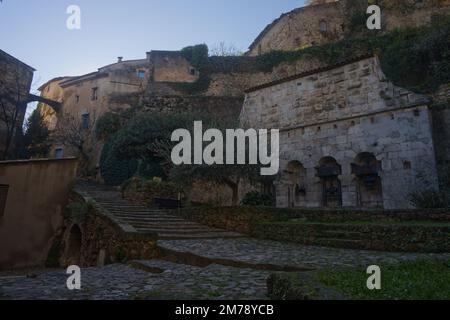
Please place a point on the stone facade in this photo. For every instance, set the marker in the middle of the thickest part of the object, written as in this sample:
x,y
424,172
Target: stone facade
x,y
331,21
15,84
348,137
310,25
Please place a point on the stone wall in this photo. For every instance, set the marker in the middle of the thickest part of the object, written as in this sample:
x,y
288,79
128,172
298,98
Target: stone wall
x,y
326,23
243,219
105,243
441,132
332,118
382,237
395,230
171,66
94,237
310,25
222,108
15,84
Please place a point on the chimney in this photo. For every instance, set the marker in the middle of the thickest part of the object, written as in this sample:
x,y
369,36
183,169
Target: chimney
x,y
119,59
149,55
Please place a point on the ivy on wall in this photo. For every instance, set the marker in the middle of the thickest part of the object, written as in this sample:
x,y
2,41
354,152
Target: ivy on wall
x,y
415,58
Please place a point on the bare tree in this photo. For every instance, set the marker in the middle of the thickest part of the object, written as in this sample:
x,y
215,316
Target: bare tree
x,y
13,104
78,134
225,50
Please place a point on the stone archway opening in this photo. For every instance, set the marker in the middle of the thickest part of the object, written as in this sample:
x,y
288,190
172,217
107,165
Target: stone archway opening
x,y
74,242
367,169
295,179
329,171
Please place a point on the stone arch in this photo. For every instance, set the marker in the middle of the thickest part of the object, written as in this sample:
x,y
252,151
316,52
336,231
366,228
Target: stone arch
x,y
295,180
329,171
366,169
73,245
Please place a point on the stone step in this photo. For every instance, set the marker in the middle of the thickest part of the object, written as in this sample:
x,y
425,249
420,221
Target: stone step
x,y
165,221
340,243
162,230
342,234
129,208
169,226
153,220
144,216
205,236
141,211
140,215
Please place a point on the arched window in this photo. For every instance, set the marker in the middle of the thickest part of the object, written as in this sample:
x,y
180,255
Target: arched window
x,y
329,171
367,170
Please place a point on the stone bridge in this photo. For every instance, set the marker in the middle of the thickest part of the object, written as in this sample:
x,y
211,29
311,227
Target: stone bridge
x,y
54,104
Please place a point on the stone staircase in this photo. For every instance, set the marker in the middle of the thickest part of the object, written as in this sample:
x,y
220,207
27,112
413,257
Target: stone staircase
x,y
150,220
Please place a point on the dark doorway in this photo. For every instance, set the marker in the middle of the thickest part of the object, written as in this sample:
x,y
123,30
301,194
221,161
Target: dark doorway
x,y
73,253
366,169
329,171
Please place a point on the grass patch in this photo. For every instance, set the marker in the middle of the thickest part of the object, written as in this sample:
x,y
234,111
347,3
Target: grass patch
x,y
418,280
368,223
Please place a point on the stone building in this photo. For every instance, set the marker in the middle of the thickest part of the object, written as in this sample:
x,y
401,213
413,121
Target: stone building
x,y
348,137
117,86
334,20
15,83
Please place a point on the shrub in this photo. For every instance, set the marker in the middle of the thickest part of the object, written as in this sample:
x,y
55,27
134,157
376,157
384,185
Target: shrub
x,y
78,210
114,169
430,199
107,125
145,191
255,198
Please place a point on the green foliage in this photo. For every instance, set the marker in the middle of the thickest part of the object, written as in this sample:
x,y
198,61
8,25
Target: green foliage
x,y
430,199
255,198
138,137
79,210
120,255
417,280
141,139
197,55
418,59
358,20
36,138
107,125
115,170
147,190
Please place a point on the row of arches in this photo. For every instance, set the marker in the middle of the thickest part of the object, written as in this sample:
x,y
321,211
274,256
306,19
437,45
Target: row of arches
x,y
365,169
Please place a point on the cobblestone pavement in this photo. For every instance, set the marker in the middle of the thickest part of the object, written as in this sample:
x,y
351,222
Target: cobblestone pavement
x,y
121,282
285,254
158,279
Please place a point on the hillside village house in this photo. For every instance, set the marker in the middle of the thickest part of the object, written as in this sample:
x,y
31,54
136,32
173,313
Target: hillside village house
x,y
88,97
349,137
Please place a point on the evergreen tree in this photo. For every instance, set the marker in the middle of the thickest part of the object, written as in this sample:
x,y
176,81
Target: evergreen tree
x,y
36,138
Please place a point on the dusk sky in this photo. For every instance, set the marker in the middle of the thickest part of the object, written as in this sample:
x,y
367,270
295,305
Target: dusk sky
x,y
35,30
